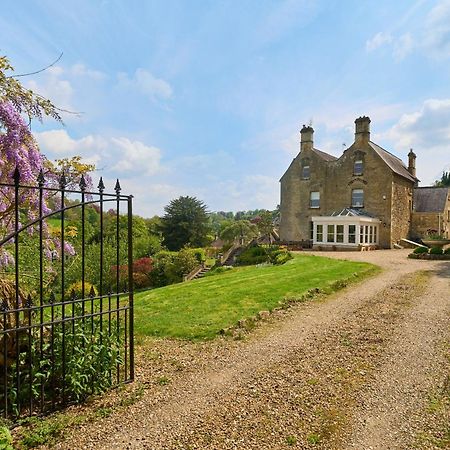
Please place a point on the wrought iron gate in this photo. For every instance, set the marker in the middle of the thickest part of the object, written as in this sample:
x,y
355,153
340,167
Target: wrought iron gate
x,y
59,345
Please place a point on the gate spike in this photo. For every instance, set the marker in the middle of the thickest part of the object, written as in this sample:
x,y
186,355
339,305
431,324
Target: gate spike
x,y
40,178
52,298
16,175
101,186
73,296
117,187
82,183
92,292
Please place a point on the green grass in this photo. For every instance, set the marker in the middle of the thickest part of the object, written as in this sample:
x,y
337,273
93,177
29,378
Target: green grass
x,y
199,309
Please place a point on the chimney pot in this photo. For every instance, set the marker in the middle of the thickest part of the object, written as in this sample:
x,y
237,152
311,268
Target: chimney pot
x,y
306,137
362,129
412,163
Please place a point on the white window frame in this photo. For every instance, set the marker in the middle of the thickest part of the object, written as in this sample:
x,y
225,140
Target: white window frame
x,y
316,198
367,230
355,204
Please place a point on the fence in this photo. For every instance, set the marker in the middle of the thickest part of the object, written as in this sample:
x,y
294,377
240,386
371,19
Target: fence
x,y
58,346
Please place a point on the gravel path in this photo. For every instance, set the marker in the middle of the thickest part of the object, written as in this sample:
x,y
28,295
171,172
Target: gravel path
x,y
351,371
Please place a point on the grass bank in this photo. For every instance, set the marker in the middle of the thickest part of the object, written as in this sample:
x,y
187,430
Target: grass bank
x,y
199,309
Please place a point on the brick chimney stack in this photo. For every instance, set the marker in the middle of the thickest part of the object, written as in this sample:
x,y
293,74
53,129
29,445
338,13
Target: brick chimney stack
x,y
362,129
306,137
412,163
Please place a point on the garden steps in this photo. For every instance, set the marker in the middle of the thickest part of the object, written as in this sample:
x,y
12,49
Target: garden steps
x,y
202,273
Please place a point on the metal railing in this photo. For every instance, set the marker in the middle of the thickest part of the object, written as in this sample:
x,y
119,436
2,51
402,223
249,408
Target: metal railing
x,y
56,347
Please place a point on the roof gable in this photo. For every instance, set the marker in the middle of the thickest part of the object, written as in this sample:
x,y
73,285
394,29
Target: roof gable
x,y
394,163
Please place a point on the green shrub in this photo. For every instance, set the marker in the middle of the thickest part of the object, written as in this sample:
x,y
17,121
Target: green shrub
x,y
170,267
435,251
447,252
282,258
258,255
77,289
419,250
199,253
86,352
5,439
218,270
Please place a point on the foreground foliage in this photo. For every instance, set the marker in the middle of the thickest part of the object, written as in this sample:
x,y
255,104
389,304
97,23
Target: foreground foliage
x,y
201,308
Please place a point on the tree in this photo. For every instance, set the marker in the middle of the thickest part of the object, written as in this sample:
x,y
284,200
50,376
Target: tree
x,y
444,181
241,229
21,159
23,100
265,224
185,223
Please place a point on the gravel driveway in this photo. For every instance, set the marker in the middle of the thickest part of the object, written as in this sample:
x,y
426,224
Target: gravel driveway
x,y
366,368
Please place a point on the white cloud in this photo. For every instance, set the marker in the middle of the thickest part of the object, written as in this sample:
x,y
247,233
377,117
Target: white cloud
x,y
57,83
149,198
380,39
136,156
146,83
118,154
51,86
58,144
81,70
251,192
427,131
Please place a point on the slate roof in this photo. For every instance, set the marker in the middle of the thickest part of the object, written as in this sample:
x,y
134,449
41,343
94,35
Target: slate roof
x,y
325,156
396,164
430,199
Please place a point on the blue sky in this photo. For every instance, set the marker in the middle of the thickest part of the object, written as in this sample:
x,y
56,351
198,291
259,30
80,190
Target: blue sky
x,y
206,98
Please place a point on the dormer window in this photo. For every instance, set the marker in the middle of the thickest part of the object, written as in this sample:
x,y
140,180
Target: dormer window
x,y
358,167
305,173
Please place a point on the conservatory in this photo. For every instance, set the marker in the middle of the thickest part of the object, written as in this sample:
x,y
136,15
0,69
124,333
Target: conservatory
x,y
349,228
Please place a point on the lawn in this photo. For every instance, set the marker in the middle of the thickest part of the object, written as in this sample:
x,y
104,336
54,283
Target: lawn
x,y
199,309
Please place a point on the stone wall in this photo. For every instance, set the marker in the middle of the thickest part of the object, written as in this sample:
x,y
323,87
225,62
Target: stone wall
x,y
401,208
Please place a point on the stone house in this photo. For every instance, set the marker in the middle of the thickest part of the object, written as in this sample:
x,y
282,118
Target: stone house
x,y
366,197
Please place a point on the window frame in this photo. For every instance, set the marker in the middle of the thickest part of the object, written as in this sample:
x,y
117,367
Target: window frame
x,y
353,203
361,162
306,167
311,200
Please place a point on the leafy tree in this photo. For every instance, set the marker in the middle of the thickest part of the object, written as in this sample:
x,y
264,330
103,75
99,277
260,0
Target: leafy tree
x,y
241,229
444,181
19,150
185,223
265,224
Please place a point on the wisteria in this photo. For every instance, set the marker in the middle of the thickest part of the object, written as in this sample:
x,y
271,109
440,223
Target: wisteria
x,y
19,150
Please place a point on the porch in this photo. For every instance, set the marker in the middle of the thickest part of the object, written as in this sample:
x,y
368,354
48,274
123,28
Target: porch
x,y
347,229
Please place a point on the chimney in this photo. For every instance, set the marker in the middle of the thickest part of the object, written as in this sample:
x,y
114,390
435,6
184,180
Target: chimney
x,y
306,137
362,130
412,163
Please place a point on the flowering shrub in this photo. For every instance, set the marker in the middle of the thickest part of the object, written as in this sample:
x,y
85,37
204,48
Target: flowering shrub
x,y
141,273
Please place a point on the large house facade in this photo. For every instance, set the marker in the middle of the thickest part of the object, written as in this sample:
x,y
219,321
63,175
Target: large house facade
x,y
366,197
